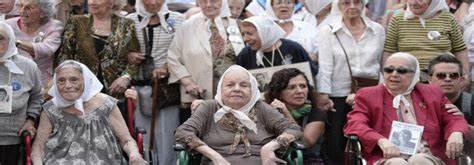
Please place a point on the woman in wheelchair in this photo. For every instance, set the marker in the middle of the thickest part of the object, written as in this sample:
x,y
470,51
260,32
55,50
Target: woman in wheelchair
x,y
289,92
401,103
80,125
235,127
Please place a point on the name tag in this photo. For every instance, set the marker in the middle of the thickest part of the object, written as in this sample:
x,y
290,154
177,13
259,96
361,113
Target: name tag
x,y
6,93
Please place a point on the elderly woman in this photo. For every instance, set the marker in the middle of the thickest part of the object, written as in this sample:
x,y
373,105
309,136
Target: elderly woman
x,y
402,99
38,35
103,41
319,9
350,47
291,93
203,48
155,27
218,126
236,7
7,9
266,46
425,30
301,32
20,77
80,124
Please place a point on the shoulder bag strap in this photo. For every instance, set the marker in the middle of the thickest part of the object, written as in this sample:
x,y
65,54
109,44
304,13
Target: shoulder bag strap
x,y
347,61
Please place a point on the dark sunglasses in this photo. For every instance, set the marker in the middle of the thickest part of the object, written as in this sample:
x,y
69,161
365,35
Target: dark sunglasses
x,y
390,70
442,76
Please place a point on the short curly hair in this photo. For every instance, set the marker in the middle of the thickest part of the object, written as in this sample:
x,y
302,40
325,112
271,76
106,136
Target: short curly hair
x,y
279,82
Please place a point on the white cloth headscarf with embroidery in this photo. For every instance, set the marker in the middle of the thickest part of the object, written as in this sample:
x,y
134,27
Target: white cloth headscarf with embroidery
x,y
400,98
434,7
268,31
92,87
12,50
140,7
316,6
242,113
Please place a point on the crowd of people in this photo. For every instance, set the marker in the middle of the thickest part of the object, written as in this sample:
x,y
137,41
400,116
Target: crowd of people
x,y
68,67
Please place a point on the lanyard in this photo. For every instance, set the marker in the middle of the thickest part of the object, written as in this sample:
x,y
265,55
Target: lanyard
x,y
273,57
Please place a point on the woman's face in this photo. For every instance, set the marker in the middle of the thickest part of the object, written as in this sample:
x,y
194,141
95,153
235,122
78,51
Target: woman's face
x,y
236,89
418,7
296,93
250,36
395,78
236,7
30,12
152,6
3,42
70,83
351,8
100,7
210,8
283,9
6,6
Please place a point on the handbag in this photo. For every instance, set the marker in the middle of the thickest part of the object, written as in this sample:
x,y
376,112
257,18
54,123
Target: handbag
x,y
356,82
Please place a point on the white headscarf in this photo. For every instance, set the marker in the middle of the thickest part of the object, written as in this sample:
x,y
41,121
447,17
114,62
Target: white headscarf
x,y
434,7
5,59
225,12
316,6
255,8
242,113
147,15
469,18
270,13
92,86
268,31
416,77
337,14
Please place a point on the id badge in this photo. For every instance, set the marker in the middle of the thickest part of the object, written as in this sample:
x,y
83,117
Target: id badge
x,y
406,136
6,93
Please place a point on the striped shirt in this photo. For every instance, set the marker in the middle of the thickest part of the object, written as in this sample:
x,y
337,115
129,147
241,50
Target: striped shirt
x,y
409,36
161,38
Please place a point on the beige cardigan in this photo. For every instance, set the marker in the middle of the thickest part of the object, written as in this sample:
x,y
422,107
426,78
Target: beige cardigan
x,y
190,53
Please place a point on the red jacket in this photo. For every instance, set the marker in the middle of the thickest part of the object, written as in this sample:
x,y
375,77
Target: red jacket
x,y
373,114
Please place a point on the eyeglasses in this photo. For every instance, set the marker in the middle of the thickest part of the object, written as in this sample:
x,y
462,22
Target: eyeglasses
x,y
390,70
281,2
442,76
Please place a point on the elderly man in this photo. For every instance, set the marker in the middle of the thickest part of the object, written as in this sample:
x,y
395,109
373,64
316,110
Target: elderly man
x,y
7,9
445,71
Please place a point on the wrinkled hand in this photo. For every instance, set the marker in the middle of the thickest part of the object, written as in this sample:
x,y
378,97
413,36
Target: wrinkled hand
x,y
131,93
325,103
29,126
388,148
280,106
160,72
195,104
137,160
455,145
452,109
135,58
191,87
119,85
269,157
350,99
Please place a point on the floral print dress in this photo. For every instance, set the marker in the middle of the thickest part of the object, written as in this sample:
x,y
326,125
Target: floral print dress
x,y
82,140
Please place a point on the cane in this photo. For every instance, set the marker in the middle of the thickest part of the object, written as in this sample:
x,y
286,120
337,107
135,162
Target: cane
x,y
154,107
27,136
130,110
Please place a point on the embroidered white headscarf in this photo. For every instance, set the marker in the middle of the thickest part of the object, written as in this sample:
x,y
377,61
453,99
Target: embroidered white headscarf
x,y
255,8
92,86
242,113
434,7
416,77
12,50
316,6
147,15
268,31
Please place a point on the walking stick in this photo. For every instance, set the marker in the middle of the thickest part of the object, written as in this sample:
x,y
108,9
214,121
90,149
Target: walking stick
x,y
153,113
130,110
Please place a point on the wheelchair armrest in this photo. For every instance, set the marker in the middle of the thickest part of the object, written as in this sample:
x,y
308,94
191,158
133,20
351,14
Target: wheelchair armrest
x,y
179,147
299,145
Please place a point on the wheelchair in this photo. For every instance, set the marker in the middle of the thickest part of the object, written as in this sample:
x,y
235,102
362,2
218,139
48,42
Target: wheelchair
x,y
353,156
293,155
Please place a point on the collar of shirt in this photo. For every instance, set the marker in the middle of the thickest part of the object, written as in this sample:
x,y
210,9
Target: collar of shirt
x,y
339,25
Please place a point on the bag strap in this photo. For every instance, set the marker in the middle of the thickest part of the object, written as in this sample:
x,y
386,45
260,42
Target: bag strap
x,y
347,61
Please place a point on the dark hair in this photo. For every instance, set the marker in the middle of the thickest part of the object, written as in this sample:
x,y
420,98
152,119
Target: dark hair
x,y
279,82
444,58
3,90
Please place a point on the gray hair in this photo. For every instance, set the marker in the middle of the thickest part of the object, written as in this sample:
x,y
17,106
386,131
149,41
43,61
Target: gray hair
x,y
48,8
67,64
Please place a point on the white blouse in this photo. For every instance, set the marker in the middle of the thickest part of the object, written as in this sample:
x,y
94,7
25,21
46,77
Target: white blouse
x,y
305,35
364,56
